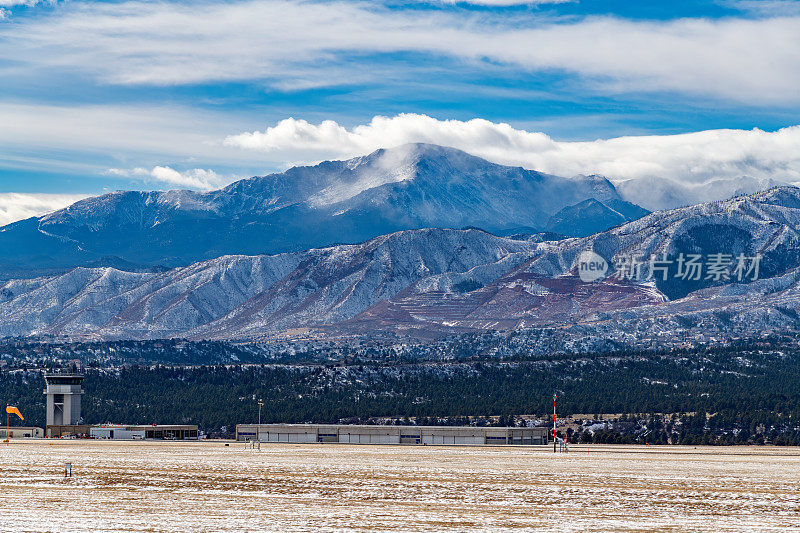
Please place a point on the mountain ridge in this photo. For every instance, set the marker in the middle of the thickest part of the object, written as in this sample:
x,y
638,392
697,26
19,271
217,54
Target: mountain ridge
x,y
431,282
409,187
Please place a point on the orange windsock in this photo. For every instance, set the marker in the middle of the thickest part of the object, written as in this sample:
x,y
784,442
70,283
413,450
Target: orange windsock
x,y
10,409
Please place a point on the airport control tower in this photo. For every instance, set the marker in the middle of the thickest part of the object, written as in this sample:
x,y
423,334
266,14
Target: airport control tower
x,y
63,398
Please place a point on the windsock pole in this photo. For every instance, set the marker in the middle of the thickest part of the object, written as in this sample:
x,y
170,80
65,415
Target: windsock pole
x,y
9,410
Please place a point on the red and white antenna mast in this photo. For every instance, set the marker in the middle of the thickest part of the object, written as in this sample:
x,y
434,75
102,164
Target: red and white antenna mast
x,y
554,422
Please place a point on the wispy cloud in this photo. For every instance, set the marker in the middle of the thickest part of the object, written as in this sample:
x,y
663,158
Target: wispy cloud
x,y
196,178
766,8
6,6
503,3
691,158
17,206
28,3
752,61
88,139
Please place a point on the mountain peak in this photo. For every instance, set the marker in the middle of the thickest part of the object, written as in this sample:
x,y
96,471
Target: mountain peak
x,y
422,150
413,154
411,186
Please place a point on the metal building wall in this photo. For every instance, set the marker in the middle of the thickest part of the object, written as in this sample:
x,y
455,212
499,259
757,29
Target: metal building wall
x,y
346,434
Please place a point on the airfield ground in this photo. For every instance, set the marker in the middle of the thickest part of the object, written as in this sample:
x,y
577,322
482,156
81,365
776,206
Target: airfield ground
x,y
208,486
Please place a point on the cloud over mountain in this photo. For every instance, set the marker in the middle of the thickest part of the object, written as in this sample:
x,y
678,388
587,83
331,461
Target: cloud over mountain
x,y
90,86
729,158
196,178
18,206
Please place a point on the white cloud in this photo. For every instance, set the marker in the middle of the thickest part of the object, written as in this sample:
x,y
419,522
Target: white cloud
x,y
766,8
19,206
138,42
690,159
7,5
29,3
196,178
504,3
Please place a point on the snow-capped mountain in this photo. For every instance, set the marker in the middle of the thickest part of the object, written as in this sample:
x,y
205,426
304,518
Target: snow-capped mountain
x,y
658,194
238,295
433,281
586,217
409,187
764,223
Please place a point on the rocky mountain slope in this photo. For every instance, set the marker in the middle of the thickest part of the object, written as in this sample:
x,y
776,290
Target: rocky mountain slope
x,y
426,283
232,296
409,187
765,223
587,217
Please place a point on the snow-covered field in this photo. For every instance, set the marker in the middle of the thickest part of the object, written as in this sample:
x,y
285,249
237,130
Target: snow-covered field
x,y
207,486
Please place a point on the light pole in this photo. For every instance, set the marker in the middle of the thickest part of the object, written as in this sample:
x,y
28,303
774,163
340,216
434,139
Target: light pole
x,y
258,431
554,422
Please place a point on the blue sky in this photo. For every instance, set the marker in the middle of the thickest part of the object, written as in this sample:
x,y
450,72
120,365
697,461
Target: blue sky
x,y
99,96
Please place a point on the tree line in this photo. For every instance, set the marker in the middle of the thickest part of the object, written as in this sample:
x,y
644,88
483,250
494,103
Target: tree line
x,y
727,395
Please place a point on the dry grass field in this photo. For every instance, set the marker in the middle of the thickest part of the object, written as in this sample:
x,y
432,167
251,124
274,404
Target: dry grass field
x,y
207,486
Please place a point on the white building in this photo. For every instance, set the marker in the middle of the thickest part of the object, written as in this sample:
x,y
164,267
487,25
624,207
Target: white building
x,y
158,432
16,432
116,433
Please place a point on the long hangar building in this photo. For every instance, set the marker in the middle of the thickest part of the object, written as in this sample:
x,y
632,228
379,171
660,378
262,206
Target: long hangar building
x,y
339,433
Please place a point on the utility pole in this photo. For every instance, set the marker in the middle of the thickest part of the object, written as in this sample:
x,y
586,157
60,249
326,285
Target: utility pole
x,y
554,422
258,431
